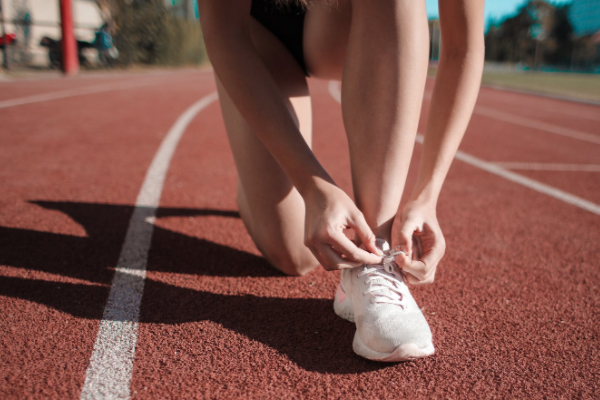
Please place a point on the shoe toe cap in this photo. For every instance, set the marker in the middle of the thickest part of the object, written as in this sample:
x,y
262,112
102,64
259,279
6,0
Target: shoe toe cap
x,y
386,333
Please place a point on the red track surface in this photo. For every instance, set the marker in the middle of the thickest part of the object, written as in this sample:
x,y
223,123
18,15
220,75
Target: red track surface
x,y
515,309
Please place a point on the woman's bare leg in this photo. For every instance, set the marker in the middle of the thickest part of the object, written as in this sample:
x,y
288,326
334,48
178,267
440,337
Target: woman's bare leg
x,y
271,208
383,81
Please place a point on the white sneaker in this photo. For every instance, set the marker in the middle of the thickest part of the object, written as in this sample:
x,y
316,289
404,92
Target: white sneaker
x,y
389,324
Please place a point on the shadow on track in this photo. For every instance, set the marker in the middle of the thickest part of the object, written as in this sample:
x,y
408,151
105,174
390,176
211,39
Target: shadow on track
x,y
305,330
94,257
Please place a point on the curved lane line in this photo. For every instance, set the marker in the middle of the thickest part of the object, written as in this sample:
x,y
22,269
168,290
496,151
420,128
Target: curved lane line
x,y
109,373
334,90
61,94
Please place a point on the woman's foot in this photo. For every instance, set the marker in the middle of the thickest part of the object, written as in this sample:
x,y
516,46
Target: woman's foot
x,y
389,324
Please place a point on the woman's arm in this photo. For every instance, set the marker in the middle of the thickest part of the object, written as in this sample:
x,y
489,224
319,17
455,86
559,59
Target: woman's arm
x,y
225,25
454,95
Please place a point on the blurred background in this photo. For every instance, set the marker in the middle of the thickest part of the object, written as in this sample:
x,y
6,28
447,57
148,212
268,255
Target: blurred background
x,y
556,37
547,47
143,32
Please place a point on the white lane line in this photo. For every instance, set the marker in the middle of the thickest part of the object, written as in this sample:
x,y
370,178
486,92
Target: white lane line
x,y
549,166
575,111
109,372
546,95
334,90
539,125
61,94
530,123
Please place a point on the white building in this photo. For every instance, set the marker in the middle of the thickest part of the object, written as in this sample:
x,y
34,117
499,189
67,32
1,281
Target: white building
x,y
31,20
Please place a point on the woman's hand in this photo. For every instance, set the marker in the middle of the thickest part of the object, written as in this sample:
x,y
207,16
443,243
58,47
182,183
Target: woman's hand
x,y
423,242
329,211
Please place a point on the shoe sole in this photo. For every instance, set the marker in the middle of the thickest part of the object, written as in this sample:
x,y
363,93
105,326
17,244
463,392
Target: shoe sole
x,y
405,352
342,305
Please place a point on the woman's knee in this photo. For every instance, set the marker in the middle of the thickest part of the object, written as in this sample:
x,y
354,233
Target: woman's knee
x,y
293,259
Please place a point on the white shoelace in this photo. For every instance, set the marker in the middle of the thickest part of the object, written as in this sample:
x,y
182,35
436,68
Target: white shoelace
x,y
384,276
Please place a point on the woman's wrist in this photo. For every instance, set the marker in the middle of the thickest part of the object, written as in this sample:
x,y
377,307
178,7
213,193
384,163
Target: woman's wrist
x,y
426,195
314,185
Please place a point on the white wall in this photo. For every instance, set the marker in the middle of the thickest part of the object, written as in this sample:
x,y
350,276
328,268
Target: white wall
x,y
46,22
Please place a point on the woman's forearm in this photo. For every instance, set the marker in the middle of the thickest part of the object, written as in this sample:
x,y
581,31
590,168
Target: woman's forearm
x,y
454,95
254,92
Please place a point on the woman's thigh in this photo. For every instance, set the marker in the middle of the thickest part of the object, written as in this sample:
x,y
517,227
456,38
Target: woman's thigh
x,y
326,30
270,206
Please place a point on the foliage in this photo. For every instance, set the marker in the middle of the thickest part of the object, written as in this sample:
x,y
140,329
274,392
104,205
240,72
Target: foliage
x,y
106,8
560,48
510,41
145,32
515,39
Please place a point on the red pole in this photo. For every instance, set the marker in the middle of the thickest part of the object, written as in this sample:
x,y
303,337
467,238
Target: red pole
x,y
4,39
69,45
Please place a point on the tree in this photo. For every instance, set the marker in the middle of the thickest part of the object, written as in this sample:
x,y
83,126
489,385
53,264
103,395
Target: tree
x,y
107,11
538,34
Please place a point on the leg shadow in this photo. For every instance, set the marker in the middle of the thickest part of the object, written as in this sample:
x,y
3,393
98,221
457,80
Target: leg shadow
x,y
94,257
305,330
179,253
81,301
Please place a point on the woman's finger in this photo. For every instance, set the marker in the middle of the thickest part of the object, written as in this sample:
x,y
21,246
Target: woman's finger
x,y
351,251
405,239
410,279
364,233
417,247
333,259
422,271
418,269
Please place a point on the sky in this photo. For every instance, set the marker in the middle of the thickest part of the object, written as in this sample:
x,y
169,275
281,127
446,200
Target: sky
x,y
496,9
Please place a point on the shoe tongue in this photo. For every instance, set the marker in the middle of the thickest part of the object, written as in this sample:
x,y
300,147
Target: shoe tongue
x,y
381,282
384,284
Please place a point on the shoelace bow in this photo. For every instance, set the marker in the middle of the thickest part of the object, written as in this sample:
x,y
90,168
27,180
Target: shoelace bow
x,y
384,276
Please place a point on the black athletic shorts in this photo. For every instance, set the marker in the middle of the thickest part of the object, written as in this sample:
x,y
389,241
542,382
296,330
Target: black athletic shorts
x,y
286,22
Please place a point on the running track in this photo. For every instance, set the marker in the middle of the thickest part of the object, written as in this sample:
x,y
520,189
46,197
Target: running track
x,y
90,199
